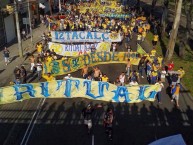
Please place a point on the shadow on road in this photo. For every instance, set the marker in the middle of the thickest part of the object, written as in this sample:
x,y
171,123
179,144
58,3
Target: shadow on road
x,y
136,124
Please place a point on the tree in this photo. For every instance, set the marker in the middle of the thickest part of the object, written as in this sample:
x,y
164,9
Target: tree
x,y
153,4
50,7
188,8
164,16
174,32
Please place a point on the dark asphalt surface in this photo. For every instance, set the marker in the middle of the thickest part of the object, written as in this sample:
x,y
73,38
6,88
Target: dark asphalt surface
x,y
59,121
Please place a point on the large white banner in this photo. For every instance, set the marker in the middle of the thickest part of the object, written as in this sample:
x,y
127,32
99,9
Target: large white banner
x,y
78,49
85,36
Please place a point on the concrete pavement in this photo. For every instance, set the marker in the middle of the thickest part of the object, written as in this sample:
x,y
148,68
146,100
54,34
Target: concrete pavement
x,y
6,72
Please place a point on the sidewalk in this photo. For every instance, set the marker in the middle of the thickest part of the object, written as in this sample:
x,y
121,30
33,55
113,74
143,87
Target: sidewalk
x,y
6,72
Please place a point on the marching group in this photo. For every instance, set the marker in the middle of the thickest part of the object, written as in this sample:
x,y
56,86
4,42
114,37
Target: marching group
x,y
150,65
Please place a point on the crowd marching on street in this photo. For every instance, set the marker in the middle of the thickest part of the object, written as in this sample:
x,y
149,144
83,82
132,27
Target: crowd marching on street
x,y
151,66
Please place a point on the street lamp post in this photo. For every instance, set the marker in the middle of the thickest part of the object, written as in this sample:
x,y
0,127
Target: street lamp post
x,y
18,30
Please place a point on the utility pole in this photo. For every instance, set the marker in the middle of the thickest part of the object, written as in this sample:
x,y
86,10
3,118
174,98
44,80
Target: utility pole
x,y
29,14
18,30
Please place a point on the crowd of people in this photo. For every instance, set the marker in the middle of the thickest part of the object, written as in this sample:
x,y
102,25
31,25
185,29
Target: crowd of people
x,y
151,66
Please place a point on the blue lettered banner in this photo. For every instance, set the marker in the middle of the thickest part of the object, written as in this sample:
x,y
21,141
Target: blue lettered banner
x,y
85,36
115,15
73,88
76,49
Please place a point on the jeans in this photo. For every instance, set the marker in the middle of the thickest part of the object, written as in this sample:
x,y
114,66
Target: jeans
x,y
128,71
141,71
39,74
153,80
159,96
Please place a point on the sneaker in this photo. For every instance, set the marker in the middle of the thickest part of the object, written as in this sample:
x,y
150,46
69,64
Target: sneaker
x,y
142,76
172,100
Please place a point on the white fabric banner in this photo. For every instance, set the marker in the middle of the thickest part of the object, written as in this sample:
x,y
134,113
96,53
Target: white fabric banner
x,y
85,36
78,49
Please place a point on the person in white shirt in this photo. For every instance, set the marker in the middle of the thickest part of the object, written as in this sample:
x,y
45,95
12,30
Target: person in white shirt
x,y
133,83
39,69
161,86
114,47
163,75
67,77
122,79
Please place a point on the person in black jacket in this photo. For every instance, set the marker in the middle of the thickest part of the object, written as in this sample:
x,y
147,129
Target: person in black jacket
x,y
87,114
108,122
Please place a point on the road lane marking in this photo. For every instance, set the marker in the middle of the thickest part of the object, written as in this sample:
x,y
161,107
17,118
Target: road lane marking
x,y
92,139
15,122
32,123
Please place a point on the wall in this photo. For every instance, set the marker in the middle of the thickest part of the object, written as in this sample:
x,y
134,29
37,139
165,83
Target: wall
x,y
10,28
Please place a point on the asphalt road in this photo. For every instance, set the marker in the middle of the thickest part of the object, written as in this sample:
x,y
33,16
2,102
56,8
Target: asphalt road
x,y
59,121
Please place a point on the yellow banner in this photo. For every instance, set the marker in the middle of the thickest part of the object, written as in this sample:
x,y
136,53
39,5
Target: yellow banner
x,y
110,7
61,67
72,88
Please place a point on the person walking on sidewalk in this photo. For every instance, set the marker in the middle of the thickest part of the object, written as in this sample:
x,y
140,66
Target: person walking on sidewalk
x,y
39,69
6,55
24,36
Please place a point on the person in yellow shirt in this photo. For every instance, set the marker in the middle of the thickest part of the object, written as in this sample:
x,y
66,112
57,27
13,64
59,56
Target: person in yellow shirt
x,y
105,78
49,36
49,58
48,77
148,27
160,60
153,52
140,29
104,26
154,67
39,48
155,39
182,73
149,58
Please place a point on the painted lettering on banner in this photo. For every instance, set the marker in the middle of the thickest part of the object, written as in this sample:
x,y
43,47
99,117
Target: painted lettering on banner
x,y
73,88
85,36
61,67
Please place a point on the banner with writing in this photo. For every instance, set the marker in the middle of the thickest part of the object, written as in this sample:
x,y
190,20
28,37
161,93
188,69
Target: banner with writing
x,y
84,36
77,49
101,8
72,88
115,15
61,67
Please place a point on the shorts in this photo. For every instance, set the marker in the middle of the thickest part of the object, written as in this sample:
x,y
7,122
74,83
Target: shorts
x,y
174,83
6,59
175,96
88,122
148,72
